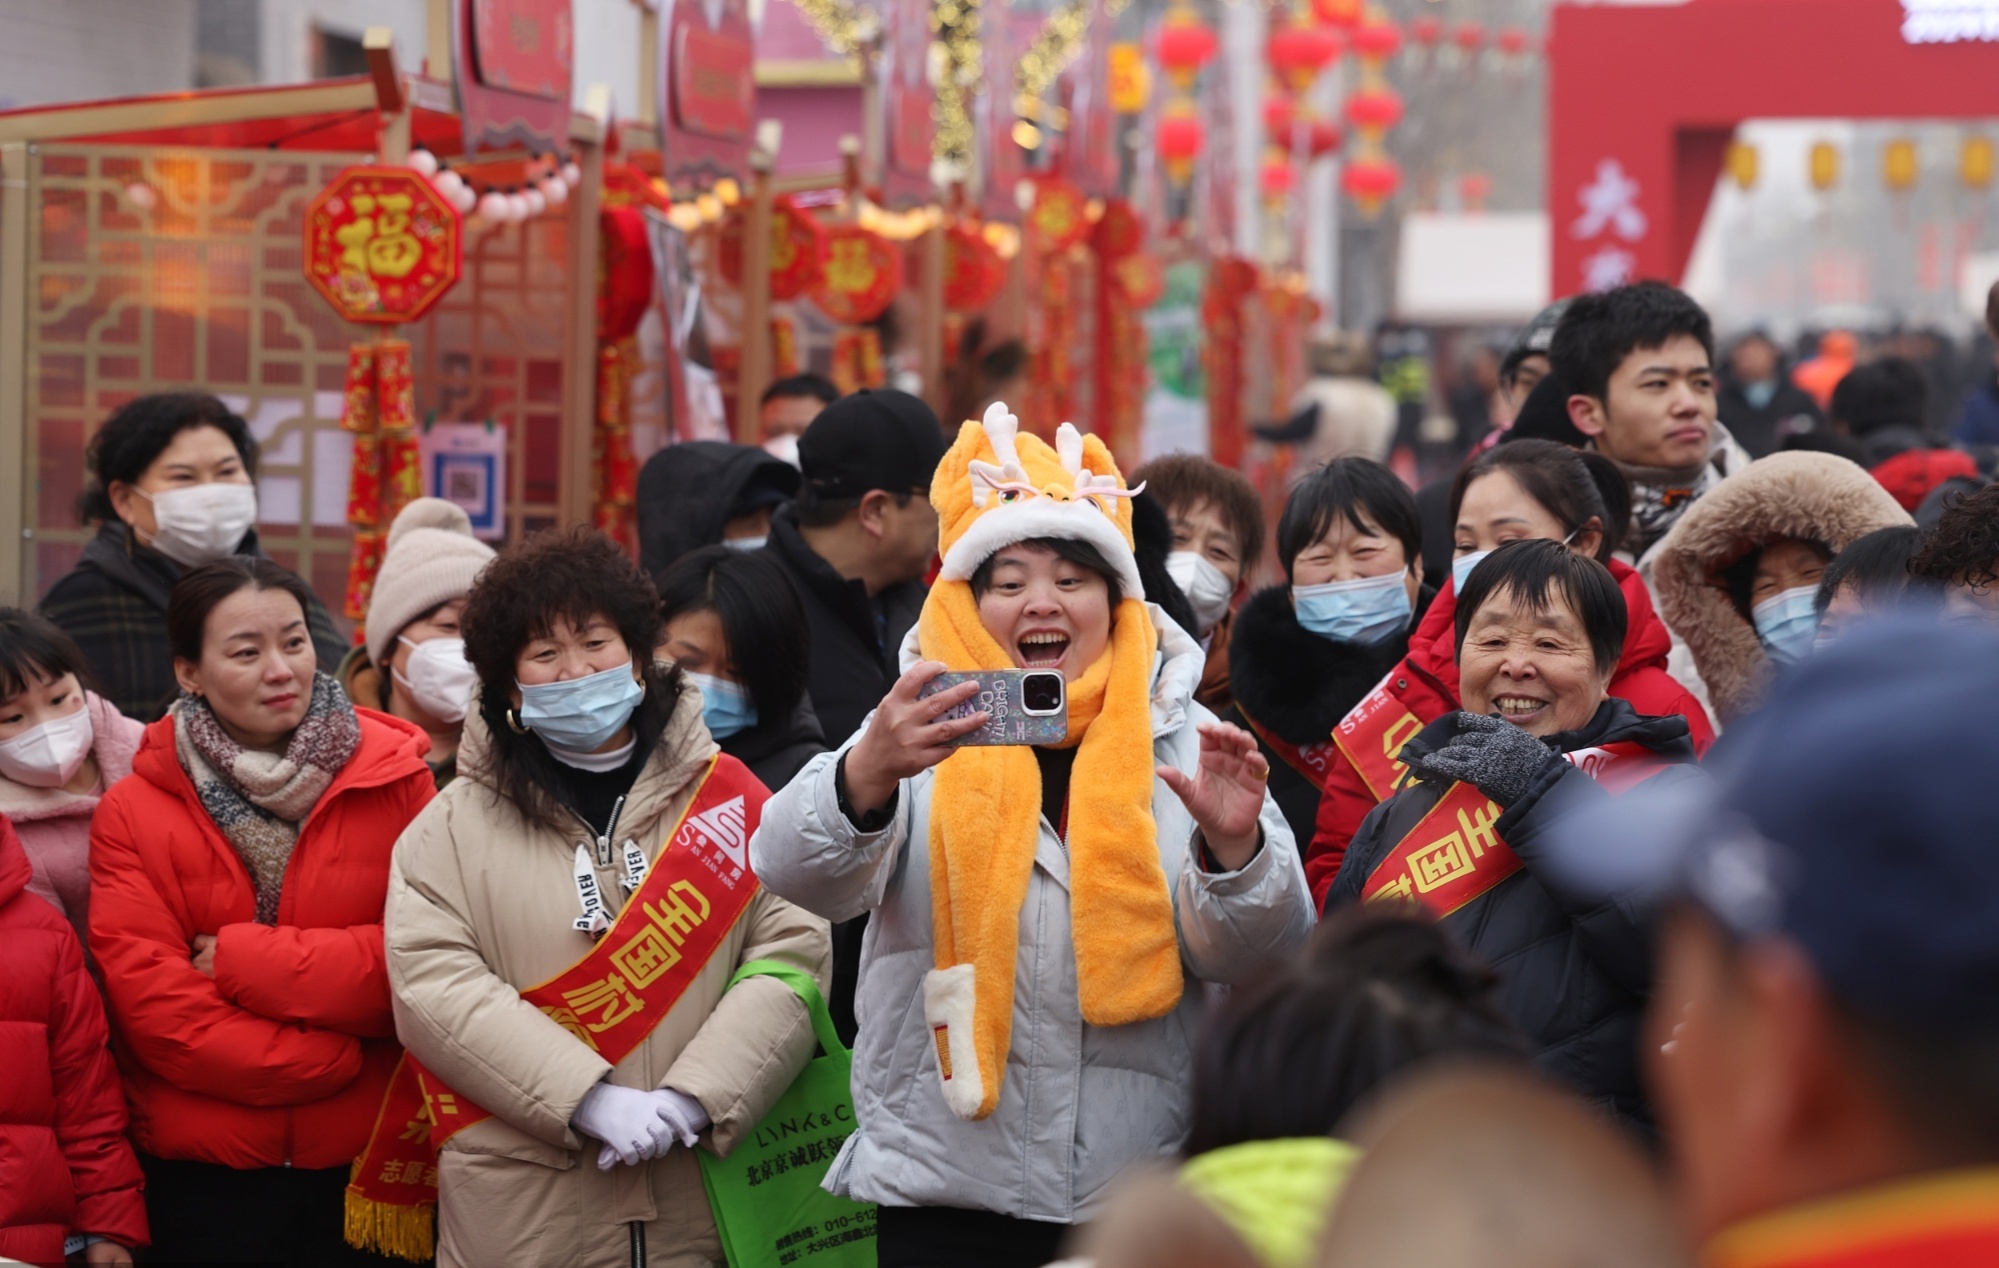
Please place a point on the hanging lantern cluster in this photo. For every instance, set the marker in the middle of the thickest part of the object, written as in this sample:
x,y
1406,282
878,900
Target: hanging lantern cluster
x,y
1185,45
1302,47
1370,176
545,182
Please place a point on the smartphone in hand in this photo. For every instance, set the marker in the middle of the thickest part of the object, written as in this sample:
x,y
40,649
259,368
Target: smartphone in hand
x,y
1024,706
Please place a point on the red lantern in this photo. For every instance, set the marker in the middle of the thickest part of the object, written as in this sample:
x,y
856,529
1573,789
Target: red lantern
x,y
973,270
1371,181
1140,280
1299,53
1377,41
1374,109
1278,179
1345,14
1180,137
1322,139
797,249
1278,112
862,275
1469,37
1119,231
1427,31
1186,44
1060,214
625,274
1514,42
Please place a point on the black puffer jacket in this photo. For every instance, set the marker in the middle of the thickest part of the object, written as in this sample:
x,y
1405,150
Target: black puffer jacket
x,y
1293,684
1575,969
854,637
775,751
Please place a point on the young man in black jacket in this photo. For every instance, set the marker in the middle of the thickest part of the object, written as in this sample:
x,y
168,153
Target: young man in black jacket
x,y
858,542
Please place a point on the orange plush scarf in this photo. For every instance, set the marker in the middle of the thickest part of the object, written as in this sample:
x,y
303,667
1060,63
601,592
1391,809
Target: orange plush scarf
x,y
985,814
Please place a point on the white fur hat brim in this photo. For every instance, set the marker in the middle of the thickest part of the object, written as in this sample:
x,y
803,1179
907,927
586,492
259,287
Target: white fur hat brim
x,y
1012,523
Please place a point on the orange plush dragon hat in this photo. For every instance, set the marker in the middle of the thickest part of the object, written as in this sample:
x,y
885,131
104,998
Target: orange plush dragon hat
x,y
994,489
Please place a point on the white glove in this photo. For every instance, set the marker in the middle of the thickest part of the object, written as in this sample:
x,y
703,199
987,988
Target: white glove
x,y
685,1118
627,1121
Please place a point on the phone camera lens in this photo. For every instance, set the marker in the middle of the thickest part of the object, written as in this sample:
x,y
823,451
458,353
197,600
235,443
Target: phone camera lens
x,y
1041,693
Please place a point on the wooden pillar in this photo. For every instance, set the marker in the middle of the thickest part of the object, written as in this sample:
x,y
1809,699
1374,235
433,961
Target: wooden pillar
x,y
579,372
17,571
930,320
753,374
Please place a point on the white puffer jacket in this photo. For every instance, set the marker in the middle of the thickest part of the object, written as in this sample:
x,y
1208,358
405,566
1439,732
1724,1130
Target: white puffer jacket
x,y
1080,1102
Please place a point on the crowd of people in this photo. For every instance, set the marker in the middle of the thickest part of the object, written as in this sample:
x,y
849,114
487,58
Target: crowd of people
x,y
1610,808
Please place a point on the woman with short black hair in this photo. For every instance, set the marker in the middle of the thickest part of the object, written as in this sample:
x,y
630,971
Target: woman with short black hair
x,y
172,487
1539,632
1304,653
563,923
735,627
237,880
1518,490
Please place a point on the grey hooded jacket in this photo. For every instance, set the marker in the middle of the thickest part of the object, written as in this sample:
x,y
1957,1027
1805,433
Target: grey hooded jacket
x,y
1078,1102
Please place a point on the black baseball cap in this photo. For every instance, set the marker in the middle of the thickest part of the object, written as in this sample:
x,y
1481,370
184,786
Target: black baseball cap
x,y
1535,338
1851,815
881,439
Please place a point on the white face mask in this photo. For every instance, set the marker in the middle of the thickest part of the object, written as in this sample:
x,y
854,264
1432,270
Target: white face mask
x,y
440,679
745,544
784,448
49,755
1206,588
201,522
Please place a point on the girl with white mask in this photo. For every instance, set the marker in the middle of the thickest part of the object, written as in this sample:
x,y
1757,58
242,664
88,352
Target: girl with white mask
x,y
61,746
172,486
412,663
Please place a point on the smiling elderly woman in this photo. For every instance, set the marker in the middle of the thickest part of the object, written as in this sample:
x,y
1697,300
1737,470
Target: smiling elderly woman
x,y
1540,630
1030,981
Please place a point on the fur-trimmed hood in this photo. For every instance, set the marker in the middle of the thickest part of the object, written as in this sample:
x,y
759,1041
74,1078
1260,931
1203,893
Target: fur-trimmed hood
x,y
1814,496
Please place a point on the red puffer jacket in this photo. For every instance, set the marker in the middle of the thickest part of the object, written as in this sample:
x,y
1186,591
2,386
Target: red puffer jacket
x,y
1426,684
65,1166
282,1057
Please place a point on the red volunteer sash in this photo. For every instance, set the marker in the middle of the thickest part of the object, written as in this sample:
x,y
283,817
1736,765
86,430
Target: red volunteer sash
x,y
1312,761
1372,735
1946,1220
610,1000
1454,854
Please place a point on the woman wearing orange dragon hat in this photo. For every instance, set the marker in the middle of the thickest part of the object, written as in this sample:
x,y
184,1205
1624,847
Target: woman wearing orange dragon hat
x,y
1031,977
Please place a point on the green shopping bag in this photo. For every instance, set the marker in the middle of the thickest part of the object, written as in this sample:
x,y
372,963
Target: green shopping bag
x,y
766,1195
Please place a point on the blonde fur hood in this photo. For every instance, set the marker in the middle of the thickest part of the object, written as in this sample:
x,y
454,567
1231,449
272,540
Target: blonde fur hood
x,y
1814,496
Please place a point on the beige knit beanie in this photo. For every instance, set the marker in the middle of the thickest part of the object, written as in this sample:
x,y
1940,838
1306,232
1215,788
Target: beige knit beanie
x,y
431,558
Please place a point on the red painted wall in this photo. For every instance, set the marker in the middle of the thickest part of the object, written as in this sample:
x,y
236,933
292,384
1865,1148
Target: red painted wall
x,y
1642,101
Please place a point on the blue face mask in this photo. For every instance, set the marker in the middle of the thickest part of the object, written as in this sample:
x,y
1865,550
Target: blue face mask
x,y
1787,623
1367,610
582,714
1461,569
726,706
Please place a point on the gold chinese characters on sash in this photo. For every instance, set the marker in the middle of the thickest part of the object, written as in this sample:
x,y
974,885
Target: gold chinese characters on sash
x,y
610,1000
1372,735
1449,858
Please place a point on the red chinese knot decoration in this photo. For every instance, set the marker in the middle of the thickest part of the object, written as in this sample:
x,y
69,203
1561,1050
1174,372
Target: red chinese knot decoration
x,y
1060,216
863,273
797,249
973,270
381,245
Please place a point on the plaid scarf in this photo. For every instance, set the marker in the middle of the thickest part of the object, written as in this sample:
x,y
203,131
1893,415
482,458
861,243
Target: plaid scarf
x,y
257,799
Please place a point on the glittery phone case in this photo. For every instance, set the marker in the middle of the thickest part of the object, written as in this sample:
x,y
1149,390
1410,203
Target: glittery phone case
x,y
1000,696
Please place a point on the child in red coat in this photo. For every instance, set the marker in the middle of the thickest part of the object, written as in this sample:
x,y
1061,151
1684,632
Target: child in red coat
x,y
68,1178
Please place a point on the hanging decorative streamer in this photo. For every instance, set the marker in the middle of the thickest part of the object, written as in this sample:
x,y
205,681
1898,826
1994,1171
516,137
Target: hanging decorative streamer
x,y
379,411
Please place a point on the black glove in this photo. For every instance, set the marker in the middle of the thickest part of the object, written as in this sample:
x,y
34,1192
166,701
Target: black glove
x,y
1496,757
